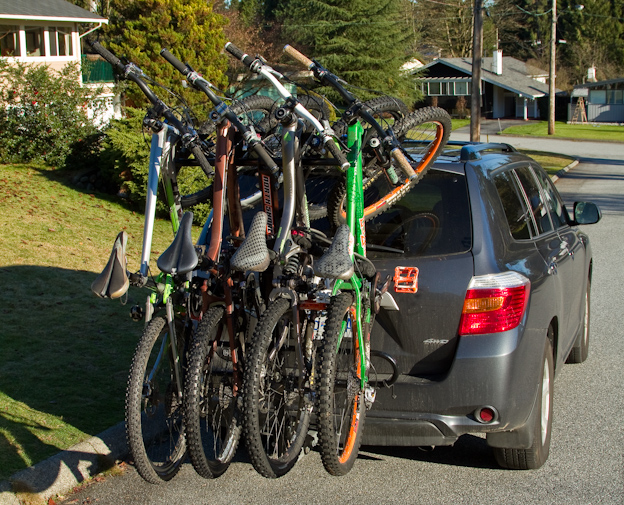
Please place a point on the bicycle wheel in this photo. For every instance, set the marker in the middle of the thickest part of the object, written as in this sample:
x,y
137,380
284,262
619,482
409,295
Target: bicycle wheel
x,y
256,111
422,135
211,410
153,408
342,408
277,404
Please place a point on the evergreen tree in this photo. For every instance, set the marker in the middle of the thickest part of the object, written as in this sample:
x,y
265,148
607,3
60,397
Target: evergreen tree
x,y
190,29
365,43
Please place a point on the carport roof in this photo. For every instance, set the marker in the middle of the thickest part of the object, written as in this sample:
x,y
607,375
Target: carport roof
x,y
517,76
45,10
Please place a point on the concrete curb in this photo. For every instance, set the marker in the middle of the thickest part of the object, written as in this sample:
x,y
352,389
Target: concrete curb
x,y
564,170
59,474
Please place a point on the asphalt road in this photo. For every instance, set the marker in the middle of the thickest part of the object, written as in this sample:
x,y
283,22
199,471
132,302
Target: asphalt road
x,y
586,464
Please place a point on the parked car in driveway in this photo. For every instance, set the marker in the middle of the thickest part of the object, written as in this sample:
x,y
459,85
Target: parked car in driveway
x,y
492,276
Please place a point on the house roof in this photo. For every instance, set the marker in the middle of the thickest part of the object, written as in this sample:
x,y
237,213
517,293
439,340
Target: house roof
x,y
47,10
517,76
598,84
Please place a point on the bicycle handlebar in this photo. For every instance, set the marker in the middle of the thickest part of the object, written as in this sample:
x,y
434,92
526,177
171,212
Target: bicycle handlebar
x,y
259,66
199,82
132,72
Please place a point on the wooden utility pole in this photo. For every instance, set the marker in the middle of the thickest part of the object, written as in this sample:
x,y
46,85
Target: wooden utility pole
x,y
552,72
477,59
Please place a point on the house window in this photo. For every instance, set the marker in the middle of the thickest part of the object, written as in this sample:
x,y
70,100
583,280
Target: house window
x,y
9,40
462,88
60,41
614,96
598,96
435,88
34,41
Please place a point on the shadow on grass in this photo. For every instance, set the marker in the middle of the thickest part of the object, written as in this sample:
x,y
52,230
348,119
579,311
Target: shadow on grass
x,y
64,360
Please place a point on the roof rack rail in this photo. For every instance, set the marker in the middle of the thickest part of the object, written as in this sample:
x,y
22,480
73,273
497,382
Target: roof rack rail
x,y
472,152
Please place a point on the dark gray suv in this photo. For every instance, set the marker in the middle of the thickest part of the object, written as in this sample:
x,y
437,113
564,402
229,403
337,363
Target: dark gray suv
x,y
493,287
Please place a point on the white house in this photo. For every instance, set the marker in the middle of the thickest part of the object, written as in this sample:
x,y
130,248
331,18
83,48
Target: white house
x,y
49,32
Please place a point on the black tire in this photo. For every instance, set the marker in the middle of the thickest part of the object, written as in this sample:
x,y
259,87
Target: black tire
x,y
541,419
580,350
154,424
341,410
256,111
423,134
276,408
211,403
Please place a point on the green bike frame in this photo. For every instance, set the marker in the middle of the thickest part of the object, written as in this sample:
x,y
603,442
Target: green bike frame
x,y
355,221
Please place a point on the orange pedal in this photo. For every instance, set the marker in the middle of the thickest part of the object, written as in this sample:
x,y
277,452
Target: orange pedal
x,y
406,279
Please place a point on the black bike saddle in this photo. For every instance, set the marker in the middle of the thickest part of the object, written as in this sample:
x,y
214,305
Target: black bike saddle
x,y
180,257
253,254
336,263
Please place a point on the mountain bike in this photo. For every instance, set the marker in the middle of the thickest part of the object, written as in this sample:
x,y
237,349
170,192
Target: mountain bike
x,y
344,390
231,295
155,393
277,387
395,158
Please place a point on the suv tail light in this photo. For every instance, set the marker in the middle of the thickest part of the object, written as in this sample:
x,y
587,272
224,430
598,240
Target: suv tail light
x,y
494,303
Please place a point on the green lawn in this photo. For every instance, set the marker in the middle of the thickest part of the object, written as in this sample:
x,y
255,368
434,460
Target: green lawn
x,y
64,353
572,131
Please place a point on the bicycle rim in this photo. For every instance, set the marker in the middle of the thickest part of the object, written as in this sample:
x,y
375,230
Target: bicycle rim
x,y
154,424
211,412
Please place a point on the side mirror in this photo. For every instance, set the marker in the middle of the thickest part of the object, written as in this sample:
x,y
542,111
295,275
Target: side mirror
x,y
586,213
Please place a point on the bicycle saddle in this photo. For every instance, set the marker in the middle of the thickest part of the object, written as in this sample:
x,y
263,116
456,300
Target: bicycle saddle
x,y
180,257
113,281
253,253
336,263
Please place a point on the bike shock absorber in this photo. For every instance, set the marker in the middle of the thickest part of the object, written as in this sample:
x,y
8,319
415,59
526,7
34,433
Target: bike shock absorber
x,y
292,265
375,143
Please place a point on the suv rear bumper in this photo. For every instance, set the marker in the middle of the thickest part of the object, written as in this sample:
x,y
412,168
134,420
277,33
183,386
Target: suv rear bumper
x,y
496,370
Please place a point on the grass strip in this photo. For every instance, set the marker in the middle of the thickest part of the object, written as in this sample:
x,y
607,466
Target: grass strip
x,y
64,353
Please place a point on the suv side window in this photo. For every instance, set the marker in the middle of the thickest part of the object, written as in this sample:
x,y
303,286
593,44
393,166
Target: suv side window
x,y
557,209
532,191
518,217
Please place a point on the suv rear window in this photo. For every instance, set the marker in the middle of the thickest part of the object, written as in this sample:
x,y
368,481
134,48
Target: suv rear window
x,y
432,219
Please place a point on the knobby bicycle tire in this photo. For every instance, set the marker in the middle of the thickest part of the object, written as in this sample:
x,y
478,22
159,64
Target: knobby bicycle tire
x,y
276,412
211,401
154,426
341,406
422,134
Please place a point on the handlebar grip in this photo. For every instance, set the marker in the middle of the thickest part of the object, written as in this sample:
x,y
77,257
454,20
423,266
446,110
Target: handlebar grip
x,y
401,160
296,55
177,64
239,54
337,153
106,54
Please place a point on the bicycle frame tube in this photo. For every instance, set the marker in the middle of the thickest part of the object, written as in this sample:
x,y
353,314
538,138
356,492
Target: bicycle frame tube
x,y
223,154
289,164
160,153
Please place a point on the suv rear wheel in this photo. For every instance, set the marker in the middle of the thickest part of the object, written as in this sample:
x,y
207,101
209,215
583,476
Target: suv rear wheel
x,y
536,455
